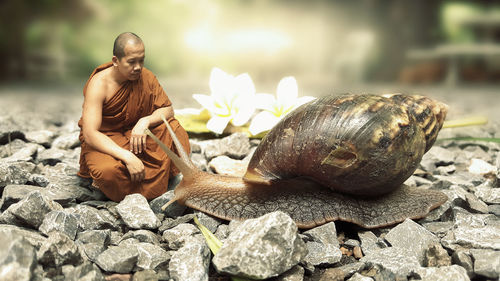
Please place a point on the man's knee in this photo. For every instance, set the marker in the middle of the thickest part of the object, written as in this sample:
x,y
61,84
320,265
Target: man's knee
x,y
106,172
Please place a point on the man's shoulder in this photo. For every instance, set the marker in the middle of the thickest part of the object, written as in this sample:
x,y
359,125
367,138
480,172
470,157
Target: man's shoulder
x,y
148,74
99,79
98,83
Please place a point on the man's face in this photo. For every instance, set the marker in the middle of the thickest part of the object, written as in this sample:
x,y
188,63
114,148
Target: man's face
x,y
130,66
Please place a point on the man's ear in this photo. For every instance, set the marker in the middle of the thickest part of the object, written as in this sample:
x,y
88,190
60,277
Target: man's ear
x,y
115,60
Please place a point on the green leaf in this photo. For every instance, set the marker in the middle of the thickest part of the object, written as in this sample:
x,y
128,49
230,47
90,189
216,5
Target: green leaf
x,y
497,140
464,122
213,243
192,125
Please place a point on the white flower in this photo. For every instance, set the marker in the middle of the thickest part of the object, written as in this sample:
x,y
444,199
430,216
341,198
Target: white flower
x,y
232,100
274,109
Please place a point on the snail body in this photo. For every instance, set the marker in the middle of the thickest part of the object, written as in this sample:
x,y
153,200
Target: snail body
x,y
335,158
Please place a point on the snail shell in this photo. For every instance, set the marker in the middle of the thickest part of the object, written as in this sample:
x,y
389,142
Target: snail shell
x,y
335,158
353,144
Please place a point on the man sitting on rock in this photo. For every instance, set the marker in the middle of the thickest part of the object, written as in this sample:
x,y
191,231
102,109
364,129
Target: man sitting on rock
x,y
121,100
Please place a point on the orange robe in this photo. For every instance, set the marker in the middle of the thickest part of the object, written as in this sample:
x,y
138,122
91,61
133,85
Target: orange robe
x,y
134,100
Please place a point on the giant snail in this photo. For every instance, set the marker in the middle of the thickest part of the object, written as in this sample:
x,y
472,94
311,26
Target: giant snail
x,y
335,158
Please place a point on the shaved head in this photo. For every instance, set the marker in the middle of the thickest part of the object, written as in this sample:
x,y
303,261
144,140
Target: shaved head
x,y
122,40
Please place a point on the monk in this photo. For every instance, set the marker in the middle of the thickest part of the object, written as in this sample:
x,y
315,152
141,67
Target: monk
x,y
121,99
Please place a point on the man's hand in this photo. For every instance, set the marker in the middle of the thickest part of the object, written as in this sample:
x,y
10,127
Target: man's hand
x,y
135,167
138,137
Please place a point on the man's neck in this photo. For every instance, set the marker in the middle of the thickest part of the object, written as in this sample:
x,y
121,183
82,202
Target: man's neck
x,y
116,76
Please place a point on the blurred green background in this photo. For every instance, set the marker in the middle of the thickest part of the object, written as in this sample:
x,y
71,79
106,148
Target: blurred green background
x,y
323,43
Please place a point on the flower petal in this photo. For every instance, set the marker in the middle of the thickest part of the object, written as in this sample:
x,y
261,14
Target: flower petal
x,y
217,124
287,92
242,114
244,85
264,121
207,102
265,101
221,83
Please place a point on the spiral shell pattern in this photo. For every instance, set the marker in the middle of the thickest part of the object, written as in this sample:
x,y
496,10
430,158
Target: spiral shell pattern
x,y
354,144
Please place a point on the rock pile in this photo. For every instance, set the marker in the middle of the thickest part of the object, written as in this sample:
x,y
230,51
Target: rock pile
x,y
54,227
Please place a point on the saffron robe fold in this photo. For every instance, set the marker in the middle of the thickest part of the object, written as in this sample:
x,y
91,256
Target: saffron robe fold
x,y
134,100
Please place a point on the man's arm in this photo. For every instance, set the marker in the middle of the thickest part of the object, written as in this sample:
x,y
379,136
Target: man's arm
x,y
138,137
92,118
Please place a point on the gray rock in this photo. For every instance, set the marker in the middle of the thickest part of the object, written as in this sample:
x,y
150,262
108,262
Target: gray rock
x,y
494,209
25,154
151,257
92,218
370,242
419,181
211,223
67,141
11,148
42,137
351,243
33,237
62,194
65,193
486,263
437,156
177,236
359,277
394,259
351,268
60,221
51,156
294,274
473,231
136,213
463,259
38,180
475,151
199,161
17,258
322,245
169,223
14,193
436,256
411,237
15,172
195,145
446,170
173,210
118,259
459,179
191,262
261,248
439,228
222,232
445,273
488,194
142,235
58,250
93,242
236,146
227,166
10,129
475,205
150,275
31,210
85,272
